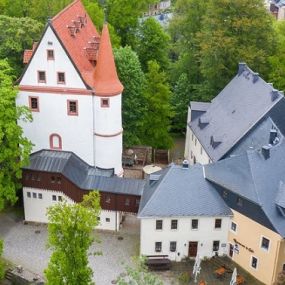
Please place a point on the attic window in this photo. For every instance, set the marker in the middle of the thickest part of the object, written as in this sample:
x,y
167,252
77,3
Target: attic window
x,y
50,54
104,102
41,76
60,78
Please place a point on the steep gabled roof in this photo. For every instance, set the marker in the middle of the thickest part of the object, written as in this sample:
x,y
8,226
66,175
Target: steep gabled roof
x,y
235,111
257,178
182,192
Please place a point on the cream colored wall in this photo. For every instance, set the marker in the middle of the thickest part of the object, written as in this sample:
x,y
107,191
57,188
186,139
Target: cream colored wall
x,y
280,258
249,233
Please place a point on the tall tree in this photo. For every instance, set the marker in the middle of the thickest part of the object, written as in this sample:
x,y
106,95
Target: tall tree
x,y
70,227
16,35
153,44
133,101
124,16
14,147
234,31
159,111
277,61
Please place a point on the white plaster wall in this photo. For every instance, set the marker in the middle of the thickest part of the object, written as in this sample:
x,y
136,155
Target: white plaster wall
x,y
61,63
76,131
35,209
205,235
186,151
108,152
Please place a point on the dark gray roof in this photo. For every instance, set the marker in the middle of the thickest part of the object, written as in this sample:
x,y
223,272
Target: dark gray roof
x,y
256,179
83,175
239,107
182,192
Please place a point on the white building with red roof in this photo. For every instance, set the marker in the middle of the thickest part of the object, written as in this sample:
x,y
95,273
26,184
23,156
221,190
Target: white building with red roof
x,y
71,86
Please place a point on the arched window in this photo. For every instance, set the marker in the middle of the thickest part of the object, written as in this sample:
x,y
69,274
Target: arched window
x,y
55,141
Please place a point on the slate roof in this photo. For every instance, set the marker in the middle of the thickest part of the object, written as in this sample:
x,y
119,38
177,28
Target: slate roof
x,y
234,112
83,175
181,192
256,179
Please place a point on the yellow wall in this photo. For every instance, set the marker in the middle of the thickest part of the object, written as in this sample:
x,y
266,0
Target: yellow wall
x,y
249,234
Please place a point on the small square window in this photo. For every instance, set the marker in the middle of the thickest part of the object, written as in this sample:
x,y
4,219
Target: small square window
x,y
127,202
40,196
265,243
172,247
50,54
194,224
41,76
108,199
218,223
59,198
104,102
233,227
174,224
108,220
239,202
34,104
158,225
29,194
254,262
158,246
34,195
54,197
72,107
61,78
216,245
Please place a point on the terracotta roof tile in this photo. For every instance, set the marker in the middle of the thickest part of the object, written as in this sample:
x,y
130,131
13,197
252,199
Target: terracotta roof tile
x,y
27,55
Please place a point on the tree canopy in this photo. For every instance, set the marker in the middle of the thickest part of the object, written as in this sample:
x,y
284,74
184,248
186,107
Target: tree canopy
x,y
69,237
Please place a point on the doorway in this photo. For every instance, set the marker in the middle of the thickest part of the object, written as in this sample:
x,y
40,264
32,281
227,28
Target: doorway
x,y
193,248
231,250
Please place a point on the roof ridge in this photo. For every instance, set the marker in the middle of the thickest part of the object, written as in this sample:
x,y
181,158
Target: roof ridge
x,y
156,190
66,8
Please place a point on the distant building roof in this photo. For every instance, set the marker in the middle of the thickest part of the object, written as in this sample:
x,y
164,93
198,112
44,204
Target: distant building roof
x,y
234,112
181,192
81,174
256,177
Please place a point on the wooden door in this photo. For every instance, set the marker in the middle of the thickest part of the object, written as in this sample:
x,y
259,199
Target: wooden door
x,y
193,248
231,250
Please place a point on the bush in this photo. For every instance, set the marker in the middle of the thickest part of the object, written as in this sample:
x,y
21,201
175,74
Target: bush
x,y
184,278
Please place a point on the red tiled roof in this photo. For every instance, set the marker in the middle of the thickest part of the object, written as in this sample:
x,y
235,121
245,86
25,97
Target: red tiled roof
x,y
106,81
75,45
27,55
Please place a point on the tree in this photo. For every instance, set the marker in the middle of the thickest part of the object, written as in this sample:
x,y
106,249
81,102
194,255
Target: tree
x,y
69,228
234,31
14,147
153,44
139,275
123,15
277,61
133,101
16,35
180,101
159,111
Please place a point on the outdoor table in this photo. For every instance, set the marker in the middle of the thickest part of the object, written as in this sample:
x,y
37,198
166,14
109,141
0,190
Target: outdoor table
x,y
220,272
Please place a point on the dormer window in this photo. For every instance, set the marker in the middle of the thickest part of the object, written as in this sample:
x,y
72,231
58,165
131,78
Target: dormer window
x,y
104,102
50,54
61,78
41,76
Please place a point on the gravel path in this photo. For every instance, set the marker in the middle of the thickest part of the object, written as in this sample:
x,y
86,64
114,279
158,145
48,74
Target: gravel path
x,y
26,245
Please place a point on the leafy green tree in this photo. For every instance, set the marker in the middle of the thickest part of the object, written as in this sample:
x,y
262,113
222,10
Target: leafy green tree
x,y
180,101
159,112
124,15
14,147
70,227
277,61
133,101
16,35
234,31
139,275
153,44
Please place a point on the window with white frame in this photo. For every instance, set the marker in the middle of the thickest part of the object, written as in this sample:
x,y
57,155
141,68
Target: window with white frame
x,y
29,194
34,195
158,224
158,246
172,246
174,224
40,196
194,224
233,227
265,242
216,245
218,223
254,262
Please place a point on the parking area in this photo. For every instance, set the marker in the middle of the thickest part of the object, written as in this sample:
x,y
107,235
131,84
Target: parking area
x,y
26,245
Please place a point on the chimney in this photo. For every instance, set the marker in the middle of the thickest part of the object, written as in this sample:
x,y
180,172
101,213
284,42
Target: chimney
x,y
266,151
274,94
185,164
272,136
255,77
241,67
